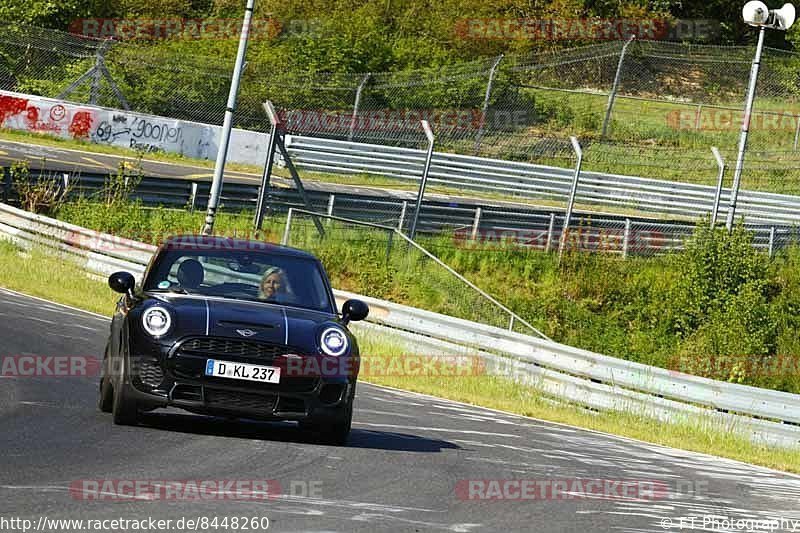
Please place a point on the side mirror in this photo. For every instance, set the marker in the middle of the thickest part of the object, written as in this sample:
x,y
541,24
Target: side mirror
x,y
354,310
122,282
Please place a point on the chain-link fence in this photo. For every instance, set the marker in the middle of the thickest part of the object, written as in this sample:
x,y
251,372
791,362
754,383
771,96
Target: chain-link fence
x,y
643,108
393,267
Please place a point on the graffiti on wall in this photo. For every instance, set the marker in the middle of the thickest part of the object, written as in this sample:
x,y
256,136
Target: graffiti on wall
x,y
143,133
35,117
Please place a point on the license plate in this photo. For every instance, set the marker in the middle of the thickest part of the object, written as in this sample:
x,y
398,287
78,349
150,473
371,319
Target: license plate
x,y
227,369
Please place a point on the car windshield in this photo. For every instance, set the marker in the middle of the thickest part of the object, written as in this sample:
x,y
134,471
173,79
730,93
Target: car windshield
x,y
241,275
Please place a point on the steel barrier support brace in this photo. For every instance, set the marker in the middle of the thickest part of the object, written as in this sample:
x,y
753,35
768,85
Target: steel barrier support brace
x,y
550,229
476,223
331,201
402,219
797,131
571,204
192,196
720,178
424,181
288,228
626,238
771,241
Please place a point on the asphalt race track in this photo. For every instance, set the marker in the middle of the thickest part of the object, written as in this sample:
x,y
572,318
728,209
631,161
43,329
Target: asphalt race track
x,y
406,456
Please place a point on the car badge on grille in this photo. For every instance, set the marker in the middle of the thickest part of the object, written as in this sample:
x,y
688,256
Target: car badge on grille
x,y
246,332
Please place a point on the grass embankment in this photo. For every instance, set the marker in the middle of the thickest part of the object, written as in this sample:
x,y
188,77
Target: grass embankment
x,y
47,276
720,309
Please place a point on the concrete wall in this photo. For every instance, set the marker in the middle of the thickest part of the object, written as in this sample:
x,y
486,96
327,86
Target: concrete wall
x,y
147,133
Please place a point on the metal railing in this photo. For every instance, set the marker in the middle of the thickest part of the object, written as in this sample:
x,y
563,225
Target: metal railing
x,y
568,374
474,224
540,182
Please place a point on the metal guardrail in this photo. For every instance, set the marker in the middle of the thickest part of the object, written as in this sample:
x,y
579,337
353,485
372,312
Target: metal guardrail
x,y
474,224
570,374
538,181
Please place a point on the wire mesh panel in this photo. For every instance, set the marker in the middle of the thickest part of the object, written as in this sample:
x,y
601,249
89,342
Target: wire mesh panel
x,y
377,260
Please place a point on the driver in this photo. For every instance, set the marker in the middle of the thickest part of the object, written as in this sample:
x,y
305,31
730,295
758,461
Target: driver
x,y
274,286
190,274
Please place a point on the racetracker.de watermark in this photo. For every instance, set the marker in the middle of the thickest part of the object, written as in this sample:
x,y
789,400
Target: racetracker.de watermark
x,y
32,366
401,120
415,365
178,490
559,489
191,29
533,29
608,239
711,119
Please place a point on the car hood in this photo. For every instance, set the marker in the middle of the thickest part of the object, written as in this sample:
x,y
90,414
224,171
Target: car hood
x,y
254,321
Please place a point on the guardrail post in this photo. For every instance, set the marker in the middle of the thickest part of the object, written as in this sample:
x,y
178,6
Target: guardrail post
x,y
511,324
573,192
697,115
424,181
626,238
797,131
356,104
720,178
389,246
485,108
331,200
288,228
6,185
192,196
476,223
771,241
550,229
613,94
402,218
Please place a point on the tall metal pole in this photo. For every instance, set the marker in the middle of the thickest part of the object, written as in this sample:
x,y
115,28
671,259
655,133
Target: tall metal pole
x,y
424,181
225,135
572,193
748,108
613,94
720,179
485,108
263,193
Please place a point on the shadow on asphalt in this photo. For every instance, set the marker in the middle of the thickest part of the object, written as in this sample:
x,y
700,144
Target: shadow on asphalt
x,y
288,432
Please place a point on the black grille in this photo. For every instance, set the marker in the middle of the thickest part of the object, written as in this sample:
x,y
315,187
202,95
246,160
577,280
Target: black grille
x,y
149,371
216,346
255,403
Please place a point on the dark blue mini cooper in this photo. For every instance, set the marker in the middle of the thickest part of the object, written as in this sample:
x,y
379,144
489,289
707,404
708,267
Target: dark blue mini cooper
x,y
233,328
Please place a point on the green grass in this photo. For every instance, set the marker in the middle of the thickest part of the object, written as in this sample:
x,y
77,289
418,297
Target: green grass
x,y
67,283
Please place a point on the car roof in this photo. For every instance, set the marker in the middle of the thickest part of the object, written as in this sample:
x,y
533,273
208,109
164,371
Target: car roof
x,y
228,243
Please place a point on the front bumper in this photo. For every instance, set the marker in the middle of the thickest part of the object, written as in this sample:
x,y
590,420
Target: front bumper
x,y
162,376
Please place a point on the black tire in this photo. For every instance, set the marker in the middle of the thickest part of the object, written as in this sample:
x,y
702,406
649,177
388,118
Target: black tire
x,y
105,394
124,411
333,433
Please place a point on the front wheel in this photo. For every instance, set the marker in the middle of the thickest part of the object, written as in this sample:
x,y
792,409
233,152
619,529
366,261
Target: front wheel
x,y
105,394
331,433
124,411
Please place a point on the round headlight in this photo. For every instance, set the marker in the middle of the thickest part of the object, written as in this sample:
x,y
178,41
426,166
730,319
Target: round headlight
x,y
333,341
156,321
